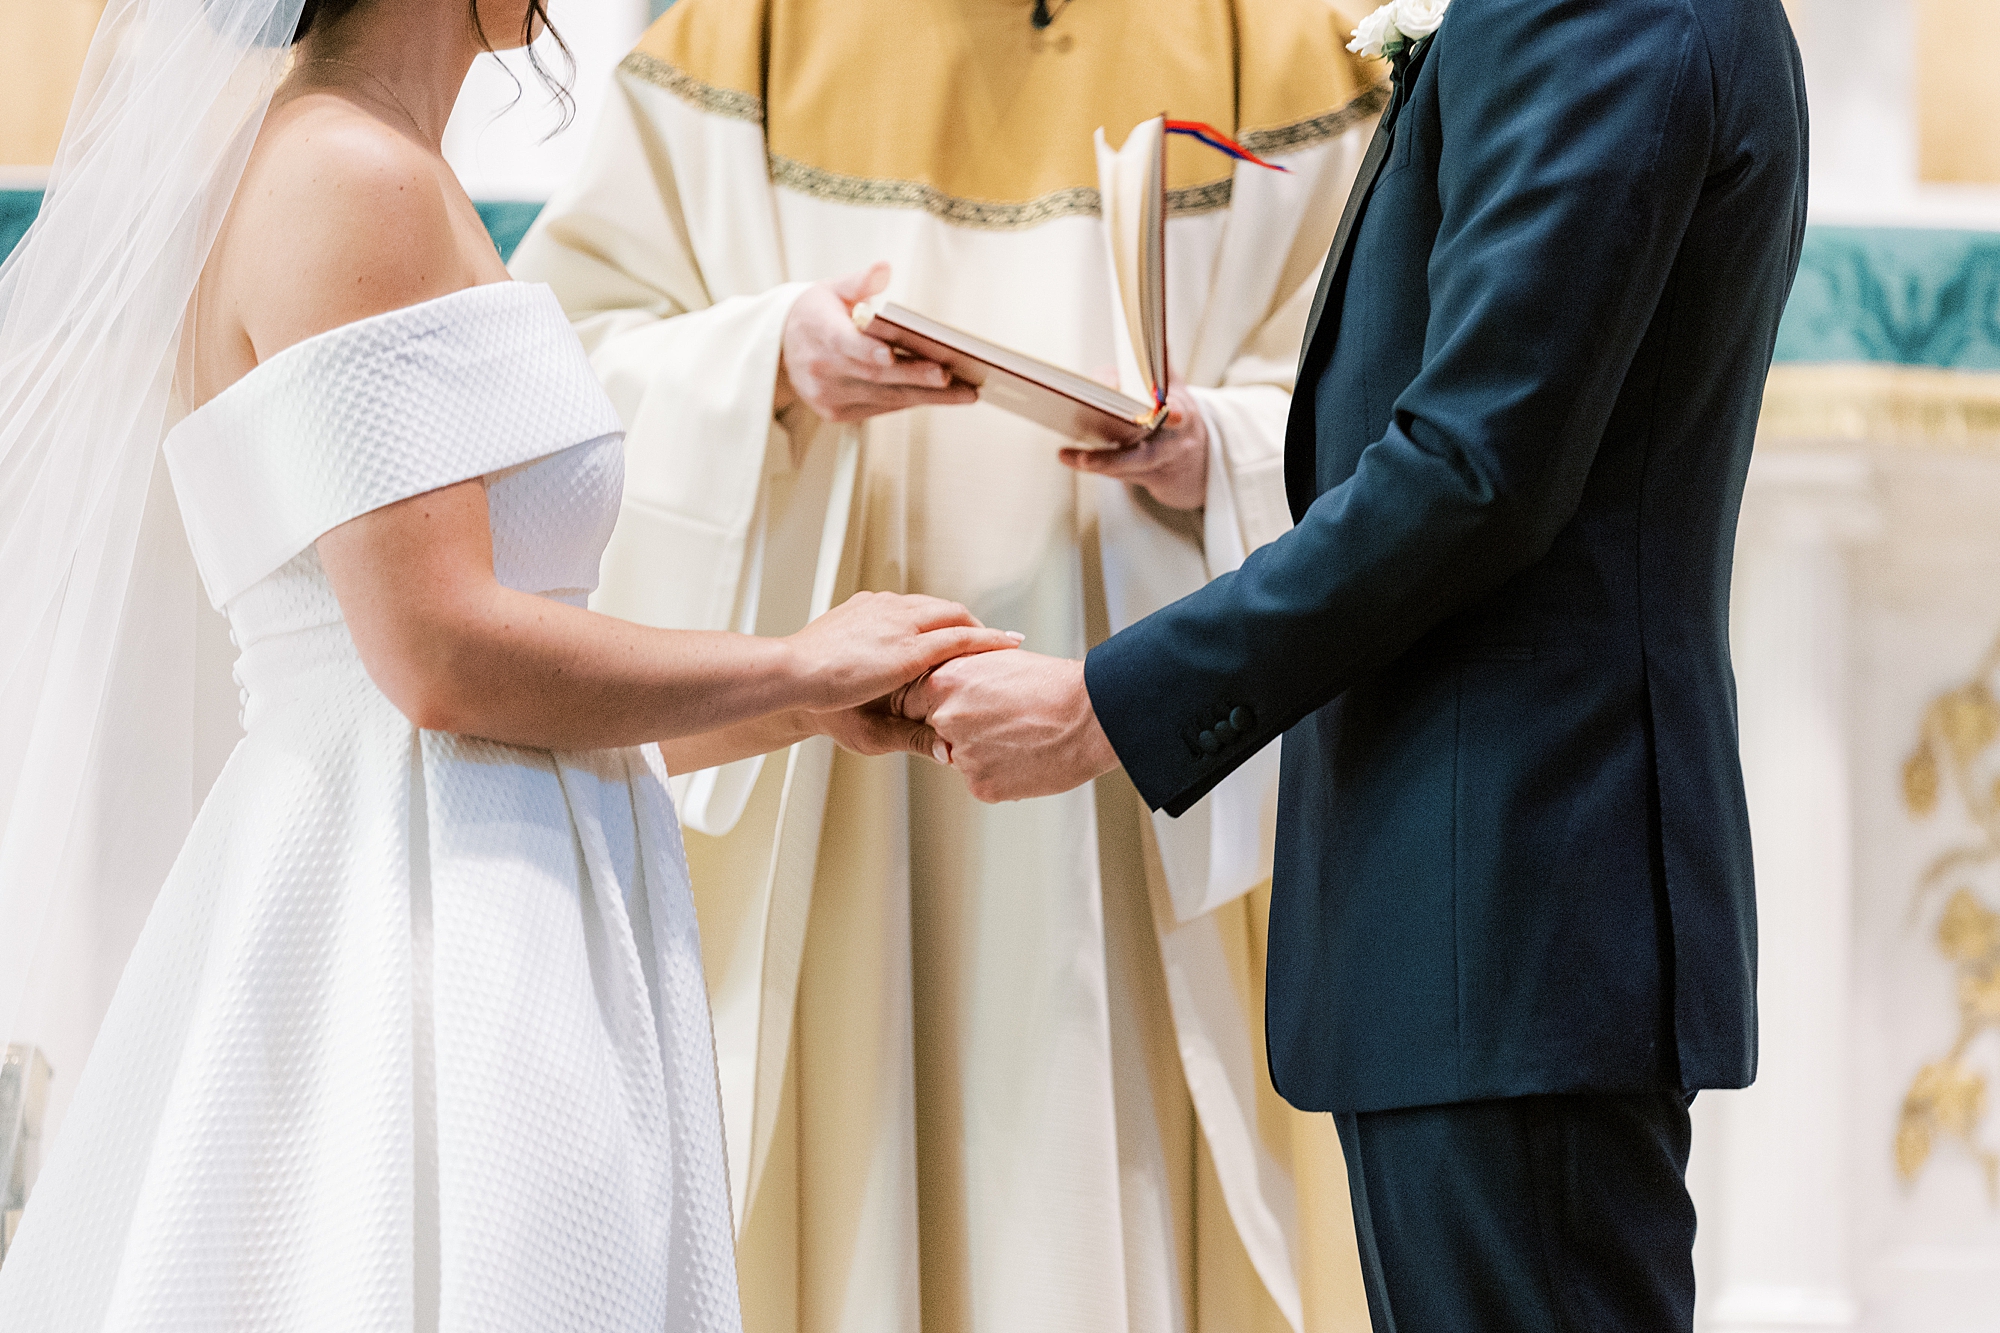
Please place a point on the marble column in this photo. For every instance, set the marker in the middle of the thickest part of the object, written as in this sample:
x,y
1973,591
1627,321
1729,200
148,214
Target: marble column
x,y
1775,1197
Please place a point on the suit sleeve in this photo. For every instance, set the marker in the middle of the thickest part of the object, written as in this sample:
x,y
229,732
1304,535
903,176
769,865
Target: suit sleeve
x,y
1574,140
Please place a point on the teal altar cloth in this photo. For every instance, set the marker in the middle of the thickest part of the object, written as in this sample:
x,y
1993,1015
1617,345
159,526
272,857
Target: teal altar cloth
x,y
1889,295
1898,296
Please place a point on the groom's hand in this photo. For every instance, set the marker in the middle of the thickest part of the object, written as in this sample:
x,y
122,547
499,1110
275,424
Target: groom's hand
x,y
1017,724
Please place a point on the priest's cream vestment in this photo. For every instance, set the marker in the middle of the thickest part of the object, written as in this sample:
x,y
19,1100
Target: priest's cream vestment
x,y
983,1068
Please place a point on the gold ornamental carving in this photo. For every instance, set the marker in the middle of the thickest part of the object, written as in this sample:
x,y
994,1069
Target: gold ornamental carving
x,y
1957,757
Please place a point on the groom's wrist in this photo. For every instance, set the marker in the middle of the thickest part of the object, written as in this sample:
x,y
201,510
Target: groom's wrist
x,y
1096,754
1136,709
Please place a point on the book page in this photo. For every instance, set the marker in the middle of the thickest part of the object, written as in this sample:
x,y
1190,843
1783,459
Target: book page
x,y
1132,188
1089,414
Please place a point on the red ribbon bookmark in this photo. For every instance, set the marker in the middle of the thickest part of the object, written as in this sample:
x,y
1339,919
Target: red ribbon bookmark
x,y
1220,142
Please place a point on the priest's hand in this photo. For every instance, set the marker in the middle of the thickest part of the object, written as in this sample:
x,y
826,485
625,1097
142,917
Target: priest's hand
x,y
1015,724
1171,463
841,373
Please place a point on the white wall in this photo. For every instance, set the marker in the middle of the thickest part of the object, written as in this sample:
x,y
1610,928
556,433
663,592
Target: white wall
x,y
1860,58
499,146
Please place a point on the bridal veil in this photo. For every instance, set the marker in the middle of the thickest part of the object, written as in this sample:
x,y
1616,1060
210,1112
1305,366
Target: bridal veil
x,y
95,682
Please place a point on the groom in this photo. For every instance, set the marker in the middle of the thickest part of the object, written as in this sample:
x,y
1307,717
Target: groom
x,y
1513,926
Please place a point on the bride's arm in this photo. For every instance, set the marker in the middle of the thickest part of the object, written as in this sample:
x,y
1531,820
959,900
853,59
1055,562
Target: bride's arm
x,y
455,650
339,218
869,729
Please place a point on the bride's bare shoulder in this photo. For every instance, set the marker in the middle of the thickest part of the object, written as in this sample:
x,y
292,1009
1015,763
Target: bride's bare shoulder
x,y
339,217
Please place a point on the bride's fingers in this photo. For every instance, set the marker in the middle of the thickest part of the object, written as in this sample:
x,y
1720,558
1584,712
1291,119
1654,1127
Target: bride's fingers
x,y
910,700
884,732
917,700
934,613
917,738
939,646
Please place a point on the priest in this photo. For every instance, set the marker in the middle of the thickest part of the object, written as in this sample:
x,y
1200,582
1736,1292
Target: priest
x,y
983,1068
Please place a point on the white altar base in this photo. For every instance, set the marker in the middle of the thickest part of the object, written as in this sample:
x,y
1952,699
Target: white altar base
x,y
1867,584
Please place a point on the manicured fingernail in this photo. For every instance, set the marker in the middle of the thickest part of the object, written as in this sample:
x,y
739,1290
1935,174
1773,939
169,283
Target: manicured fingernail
x,y
939,753
1016,636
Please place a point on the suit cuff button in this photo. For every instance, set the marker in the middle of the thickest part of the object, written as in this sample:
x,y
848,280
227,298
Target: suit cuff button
x,y
1209,742
1243,720
1225,733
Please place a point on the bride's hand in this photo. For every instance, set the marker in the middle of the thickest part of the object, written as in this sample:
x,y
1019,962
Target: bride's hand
x,y
876,728
876,641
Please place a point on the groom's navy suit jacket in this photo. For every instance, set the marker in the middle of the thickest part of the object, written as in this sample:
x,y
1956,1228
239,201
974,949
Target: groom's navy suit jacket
x,y
1513,855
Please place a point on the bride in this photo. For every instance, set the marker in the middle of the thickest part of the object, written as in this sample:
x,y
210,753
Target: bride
x,y
415,1036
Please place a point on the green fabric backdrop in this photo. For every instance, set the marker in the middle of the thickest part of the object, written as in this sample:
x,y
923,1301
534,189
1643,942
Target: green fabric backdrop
x,y
1897,295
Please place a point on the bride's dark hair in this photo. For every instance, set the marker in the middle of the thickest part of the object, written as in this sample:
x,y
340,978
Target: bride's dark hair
x,y
323,12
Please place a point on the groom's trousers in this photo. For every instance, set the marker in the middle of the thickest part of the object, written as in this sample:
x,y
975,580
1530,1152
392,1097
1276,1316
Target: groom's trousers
x,y
1551,1214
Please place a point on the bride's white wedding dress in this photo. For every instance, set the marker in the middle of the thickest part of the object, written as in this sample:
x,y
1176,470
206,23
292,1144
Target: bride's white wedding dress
x,y
416,1035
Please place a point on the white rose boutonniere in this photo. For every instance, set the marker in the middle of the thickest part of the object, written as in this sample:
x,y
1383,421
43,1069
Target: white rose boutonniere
x,y
1373,33
1398,24
1418,19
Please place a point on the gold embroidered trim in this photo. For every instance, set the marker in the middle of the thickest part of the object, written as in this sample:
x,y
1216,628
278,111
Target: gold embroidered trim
x,y
1076,201
1316,129
1201,198
703,97
988,214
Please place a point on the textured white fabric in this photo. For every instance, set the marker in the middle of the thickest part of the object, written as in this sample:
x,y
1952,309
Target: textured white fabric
x,y
269,464
416,1036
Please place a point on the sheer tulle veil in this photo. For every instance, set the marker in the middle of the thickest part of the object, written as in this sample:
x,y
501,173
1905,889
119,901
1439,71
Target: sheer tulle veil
x,y
95,675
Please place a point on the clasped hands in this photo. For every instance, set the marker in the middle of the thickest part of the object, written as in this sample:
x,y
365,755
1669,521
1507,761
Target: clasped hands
x,y
1014,723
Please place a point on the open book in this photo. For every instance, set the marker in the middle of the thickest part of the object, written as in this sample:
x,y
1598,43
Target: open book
x,y
1133,184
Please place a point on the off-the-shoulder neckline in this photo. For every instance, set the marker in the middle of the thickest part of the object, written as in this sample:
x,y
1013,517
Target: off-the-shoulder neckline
x,y
506,287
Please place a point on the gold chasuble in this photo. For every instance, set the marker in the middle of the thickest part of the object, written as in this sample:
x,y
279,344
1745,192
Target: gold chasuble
x,y
984,1069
